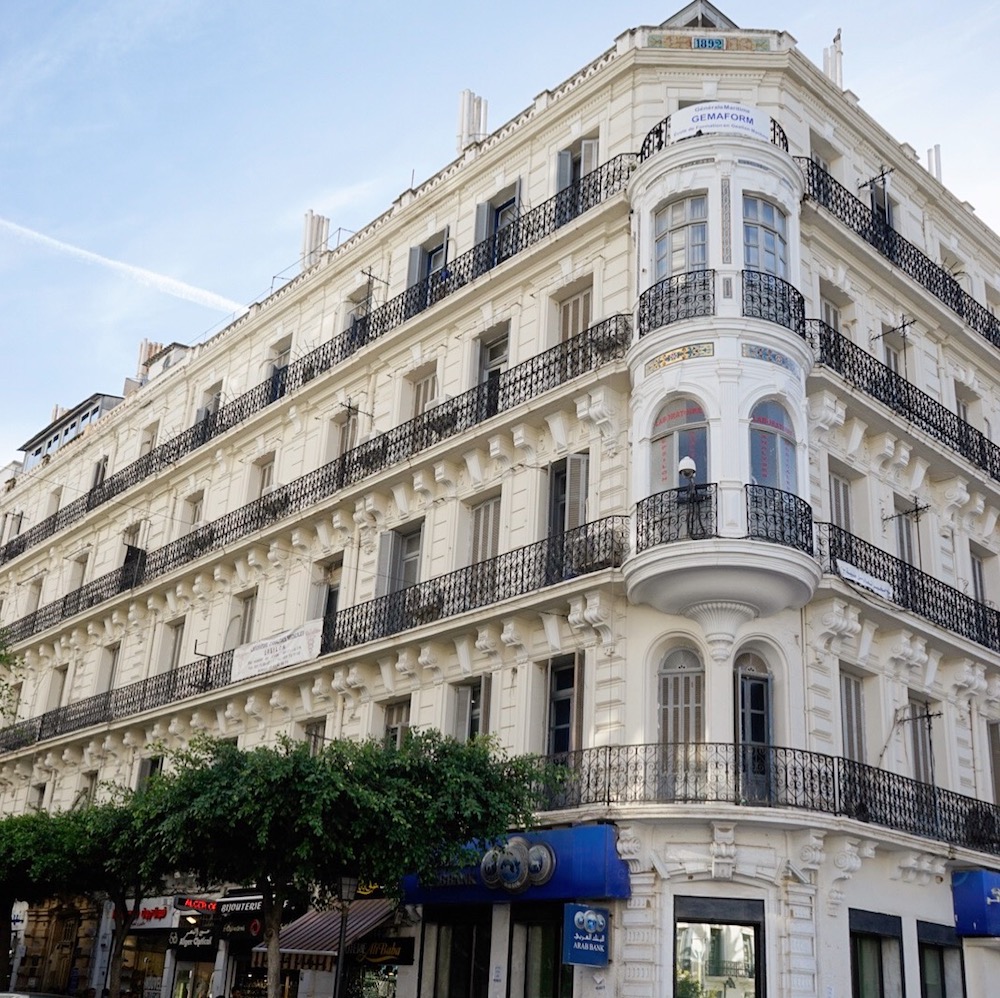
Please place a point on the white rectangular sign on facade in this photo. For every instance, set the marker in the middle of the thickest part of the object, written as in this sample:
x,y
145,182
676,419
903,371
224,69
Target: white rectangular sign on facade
x,y
301,644
719,117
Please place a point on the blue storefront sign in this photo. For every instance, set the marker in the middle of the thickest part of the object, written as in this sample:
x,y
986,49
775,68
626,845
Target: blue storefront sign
x,y
586,931
563,864
976,897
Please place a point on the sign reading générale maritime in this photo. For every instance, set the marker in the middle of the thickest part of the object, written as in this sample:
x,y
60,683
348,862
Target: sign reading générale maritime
x,y
719,117
585,935
301,644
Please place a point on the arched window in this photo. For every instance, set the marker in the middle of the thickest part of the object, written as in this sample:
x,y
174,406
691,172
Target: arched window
x,y
679,430
680,232
772,447
682,698
764,237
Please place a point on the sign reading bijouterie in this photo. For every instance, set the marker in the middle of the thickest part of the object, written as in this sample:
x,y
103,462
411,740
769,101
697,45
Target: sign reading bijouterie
x,y
240,906
301,644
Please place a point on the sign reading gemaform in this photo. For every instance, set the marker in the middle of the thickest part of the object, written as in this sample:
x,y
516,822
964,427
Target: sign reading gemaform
x,y
585,935
301,644
719,117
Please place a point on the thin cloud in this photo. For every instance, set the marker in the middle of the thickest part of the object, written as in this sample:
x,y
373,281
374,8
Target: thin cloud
x,y
159,282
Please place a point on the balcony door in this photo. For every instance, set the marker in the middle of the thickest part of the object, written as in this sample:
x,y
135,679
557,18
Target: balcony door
x,y
567,514
754,727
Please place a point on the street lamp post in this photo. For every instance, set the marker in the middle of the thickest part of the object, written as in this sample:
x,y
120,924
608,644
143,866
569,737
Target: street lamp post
x,y
348,888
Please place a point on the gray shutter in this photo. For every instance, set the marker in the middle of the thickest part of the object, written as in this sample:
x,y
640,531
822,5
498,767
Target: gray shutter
x,y
576,490
485,689
463,712
517,196
415,265
564,170
588,156
484,212
388,563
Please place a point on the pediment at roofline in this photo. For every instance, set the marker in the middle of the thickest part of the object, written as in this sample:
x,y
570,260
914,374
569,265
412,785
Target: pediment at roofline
x,y
700,14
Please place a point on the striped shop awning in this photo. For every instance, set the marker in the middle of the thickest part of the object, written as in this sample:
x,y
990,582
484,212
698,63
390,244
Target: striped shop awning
x,y
310,942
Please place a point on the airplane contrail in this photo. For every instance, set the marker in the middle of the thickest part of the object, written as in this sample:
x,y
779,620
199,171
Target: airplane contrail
x,y
160,282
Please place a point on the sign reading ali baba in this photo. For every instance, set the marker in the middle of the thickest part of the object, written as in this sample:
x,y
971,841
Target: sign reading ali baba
x,y
301,644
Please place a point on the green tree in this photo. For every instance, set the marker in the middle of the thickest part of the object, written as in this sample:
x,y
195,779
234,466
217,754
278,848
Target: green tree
x,y
36,863
11,674
284,820
117,856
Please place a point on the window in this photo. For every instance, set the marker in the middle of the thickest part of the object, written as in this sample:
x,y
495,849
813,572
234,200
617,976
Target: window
x,y
246,609
852,716
764,237
568,487
840,502
108,669
574,315
941,971
977,570
262,476
33,594
324,601
78,571
574,193
485,530
536,967
148,768
494,236
281,354
173,645
424,391
314,734
37,796
100,471
679,430
147,439
894,351
876,955
397,723
904,531
565,703
57,687
920,720
399,560
343,434
772,447
462,956
993,736
830,314
883,206
682,698
211,399
718,946
426,270
492,363
194,509
472,709
680,233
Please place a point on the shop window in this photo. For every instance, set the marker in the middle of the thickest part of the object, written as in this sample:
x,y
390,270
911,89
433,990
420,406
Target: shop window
x,y
680,430
462,951
941,972
718,947
765,237
876,955
772,447
680,237
536,967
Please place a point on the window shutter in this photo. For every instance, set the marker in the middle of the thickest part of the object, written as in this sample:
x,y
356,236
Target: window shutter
x,y
852,706
485,688
388,561
415,265
463,713
517,196
840,502
564,170
484,215
588,156
576,490
485,530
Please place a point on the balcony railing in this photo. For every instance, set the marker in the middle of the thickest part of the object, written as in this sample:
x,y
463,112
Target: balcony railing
x,y
681,296
897,581
779,517
691,514
685,514
658,138
774,300
858,217
582,551
770,776
579,355
860,369
533,226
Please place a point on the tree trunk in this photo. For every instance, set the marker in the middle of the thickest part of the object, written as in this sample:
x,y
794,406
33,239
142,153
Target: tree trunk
x,y
6,905
124,917
272,909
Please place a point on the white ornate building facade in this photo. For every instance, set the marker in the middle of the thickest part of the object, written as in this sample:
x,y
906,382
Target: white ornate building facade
x,y
655,432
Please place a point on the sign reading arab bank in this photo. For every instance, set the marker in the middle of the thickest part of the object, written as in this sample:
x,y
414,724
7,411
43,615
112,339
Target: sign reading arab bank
x,y
301,644
720,118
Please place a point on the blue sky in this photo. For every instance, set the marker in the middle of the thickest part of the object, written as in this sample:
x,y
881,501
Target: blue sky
x,y
143,143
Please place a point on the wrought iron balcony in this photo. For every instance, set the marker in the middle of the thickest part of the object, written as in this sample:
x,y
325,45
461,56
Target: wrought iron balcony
x,y
587,549
865,565
680,296
773,299
526,231
859,218
691,514
658,138
603,342
861,370
771,776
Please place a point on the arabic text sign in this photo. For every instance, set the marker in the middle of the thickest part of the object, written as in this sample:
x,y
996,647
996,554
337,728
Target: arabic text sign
x,y
586,931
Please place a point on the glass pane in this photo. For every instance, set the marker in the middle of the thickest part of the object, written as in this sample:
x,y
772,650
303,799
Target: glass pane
x,y
715,959
763,458
867,954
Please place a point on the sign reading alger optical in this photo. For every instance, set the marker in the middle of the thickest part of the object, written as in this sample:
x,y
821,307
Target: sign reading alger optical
x,y
720,118
301,644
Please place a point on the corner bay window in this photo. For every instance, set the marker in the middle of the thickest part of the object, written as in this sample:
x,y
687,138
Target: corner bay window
x,y
679,430
680,232
772,447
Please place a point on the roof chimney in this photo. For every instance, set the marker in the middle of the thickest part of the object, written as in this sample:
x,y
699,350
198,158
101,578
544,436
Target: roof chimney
x,y
471,120
314,237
